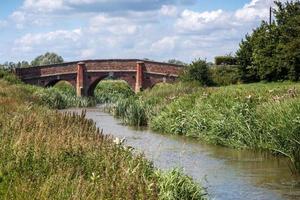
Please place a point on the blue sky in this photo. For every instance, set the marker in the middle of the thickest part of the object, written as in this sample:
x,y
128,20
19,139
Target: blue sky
x,y
99,29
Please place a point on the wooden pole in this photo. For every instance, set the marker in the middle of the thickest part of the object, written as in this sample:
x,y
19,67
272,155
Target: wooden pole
x,y
270,22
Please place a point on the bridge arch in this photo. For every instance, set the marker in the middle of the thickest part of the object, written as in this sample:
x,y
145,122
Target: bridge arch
x,y
92,86
52,83
85,75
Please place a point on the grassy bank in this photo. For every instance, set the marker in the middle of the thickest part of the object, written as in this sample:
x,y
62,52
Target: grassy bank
x,y
254,116
50,155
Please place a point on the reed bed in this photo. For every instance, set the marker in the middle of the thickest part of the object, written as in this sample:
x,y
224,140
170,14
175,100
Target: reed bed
x,y
46,154
253,116
58,99
174,185
140,109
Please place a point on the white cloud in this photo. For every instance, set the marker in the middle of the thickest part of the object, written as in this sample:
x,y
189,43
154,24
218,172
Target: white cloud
x,y
19,18
191,21
87,53
44,5
255,10
242,19
169,10
161,32
112,25
164,44
55,38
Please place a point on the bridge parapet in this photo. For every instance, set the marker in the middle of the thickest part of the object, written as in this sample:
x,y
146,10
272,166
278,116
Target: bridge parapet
x,y
139,74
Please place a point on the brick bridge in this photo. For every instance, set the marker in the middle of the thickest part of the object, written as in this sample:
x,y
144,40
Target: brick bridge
x,y
85,75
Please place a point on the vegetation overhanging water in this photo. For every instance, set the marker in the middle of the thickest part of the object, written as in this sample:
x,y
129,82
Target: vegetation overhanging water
x,y
49,155
254,116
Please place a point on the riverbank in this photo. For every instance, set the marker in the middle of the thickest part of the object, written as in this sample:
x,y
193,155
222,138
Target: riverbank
x,y
252,116
226,173
50,155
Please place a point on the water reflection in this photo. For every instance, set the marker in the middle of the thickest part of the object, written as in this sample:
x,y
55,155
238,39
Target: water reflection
x,y
227,173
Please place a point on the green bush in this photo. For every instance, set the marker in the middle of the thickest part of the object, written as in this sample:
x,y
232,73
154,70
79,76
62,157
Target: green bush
x,y
225,60
197,71
110,91
66,88
225,75
9,77
271,51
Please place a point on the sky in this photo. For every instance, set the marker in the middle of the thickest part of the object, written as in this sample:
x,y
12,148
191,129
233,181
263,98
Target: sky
x,y
102,29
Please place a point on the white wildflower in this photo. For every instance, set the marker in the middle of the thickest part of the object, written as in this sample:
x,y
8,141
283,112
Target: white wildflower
x,y
119,141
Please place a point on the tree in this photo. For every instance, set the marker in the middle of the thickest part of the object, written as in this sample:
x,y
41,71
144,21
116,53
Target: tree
x,y
265,42
198,71
47,59
225,60
247,71
272,51
23,64
10,65
288,50
176,62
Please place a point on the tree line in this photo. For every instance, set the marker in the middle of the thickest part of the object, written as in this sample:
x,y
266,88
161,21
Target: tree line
x,y
45,59
270,53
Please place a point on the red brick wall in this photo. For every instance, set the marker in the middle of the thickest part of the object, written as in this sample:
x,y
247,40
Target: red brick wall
x,y
96,70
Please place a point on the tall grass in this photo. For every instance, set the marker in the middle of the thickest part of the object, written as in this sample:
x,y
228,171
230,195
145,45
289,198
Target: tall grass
x,y
6,75
46,154
131,111
139,110
59,99
176,186
62,95
254,116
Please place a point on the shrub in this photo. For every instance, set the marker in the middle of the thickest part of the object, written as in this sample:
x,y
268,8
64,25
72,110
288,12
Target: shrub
x,y
197,71
9,77
225,75
110,91
225,60
66,88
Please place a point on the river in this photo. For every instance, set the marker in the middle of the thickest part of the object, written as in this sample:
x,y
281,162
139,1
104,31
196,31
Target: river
x,y
227,174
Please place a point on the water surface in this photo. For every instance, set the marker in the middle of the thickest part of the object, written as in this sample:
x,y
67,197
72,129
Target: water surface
x,y
227,174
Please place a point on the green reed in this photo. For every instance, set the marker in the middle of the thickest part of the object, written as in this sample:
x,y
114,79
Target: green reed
x,y
46,154
255,116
